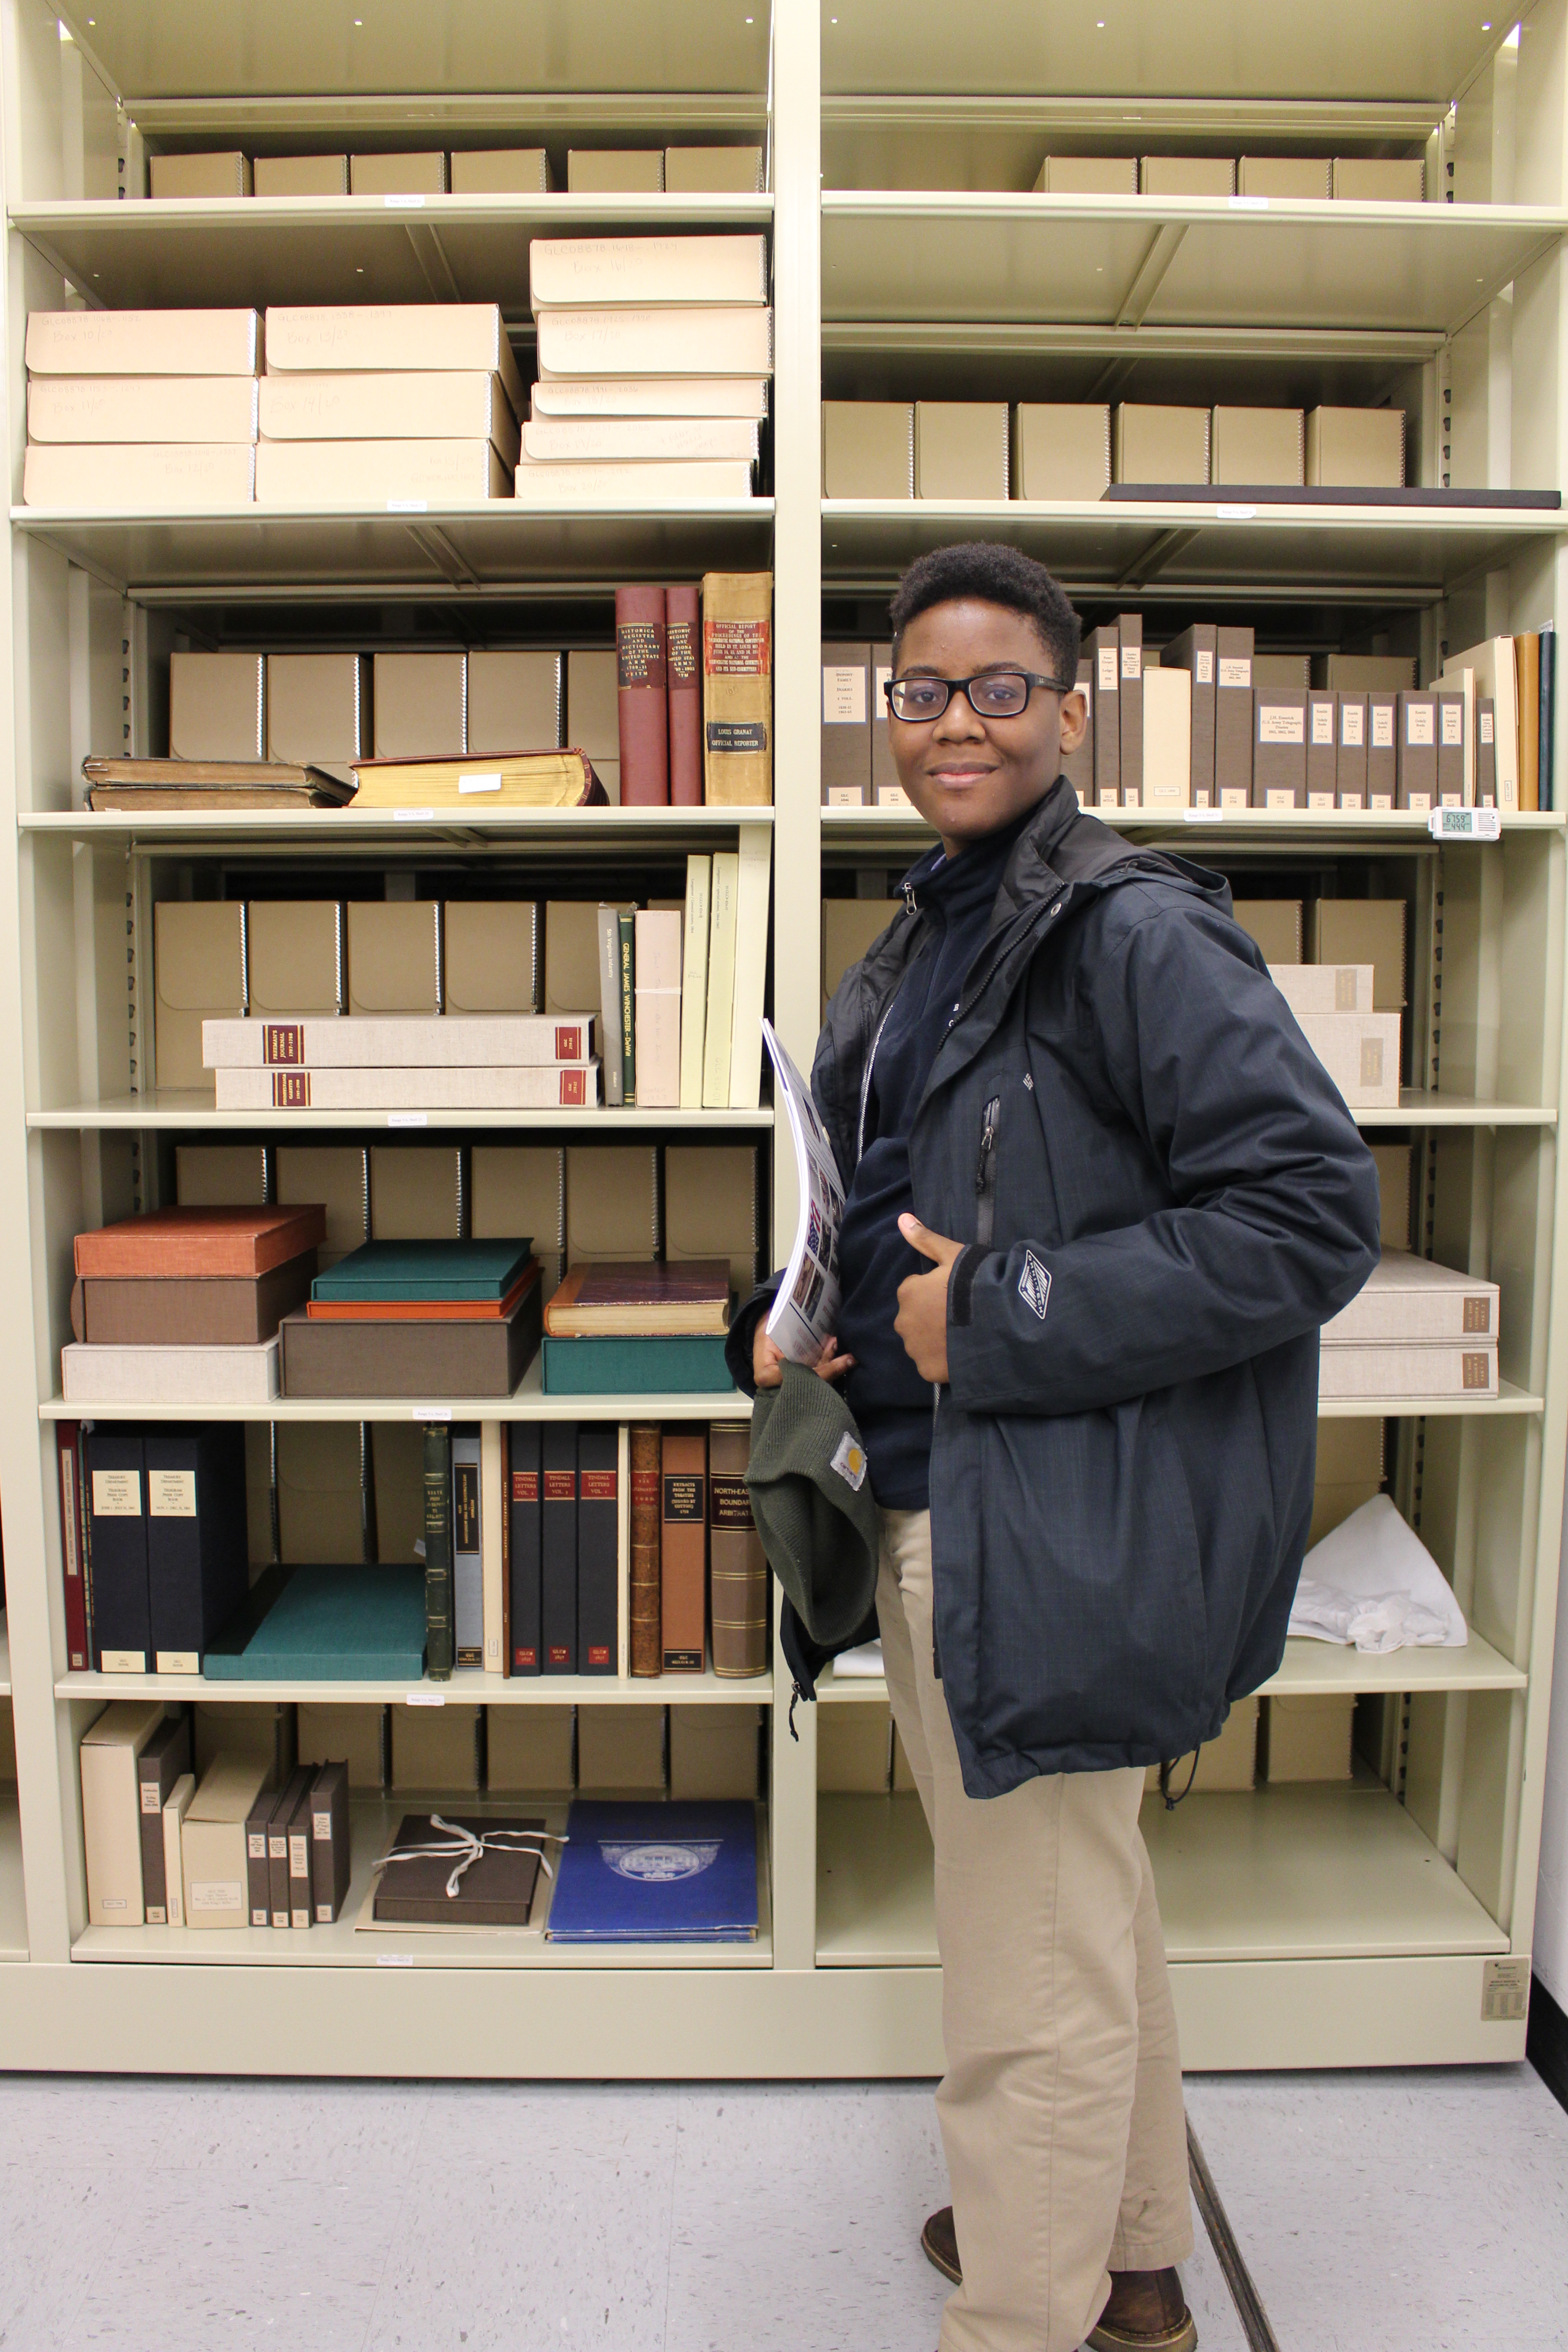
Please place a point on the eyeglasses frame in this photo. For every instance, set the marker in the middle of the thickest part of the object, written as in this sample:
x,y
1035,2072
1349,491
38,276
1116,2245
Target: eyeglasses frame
x,y
1032,678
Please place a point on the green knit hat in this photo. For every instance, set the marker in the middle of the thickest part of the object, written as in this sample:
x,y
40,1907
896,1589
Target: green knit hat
x,y
812,1507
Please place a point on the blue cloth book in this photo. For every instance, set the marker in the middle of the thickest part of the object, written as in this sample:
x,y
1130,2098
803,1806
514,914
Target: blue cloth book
x,y
652,1873
340,1624
636,1367
482,1271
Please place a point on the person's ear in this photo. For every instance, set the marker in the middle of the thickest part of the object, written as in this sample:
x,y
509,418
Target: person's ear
x,y
1074,721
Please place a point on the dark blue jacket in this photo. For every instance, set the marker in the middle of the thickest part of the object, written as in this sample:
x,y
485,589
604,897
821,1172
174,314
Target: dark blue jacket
x,y
1162,1196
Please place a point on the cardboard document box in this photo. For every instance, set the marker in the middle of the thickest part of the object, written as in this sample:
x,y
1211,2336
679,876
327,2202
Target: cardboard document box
x,y
1322,764
1349,1473
1451,791
1159,445
318,708
1061,450
227,174
1233,717
1258,446
397,1472
1227,1762
421,175
500,172
348,1735
217,706
1415,732
1362,931
1186,176
377,337
220,1175
612,1203
111,1810
1088,176
1307,1738
1275,924
615,171
301,175
392,474
143,343
245,1729
1360,1052
1292,672
854,1749
1195,652
295,956
416,1193
1278,749
714,1751
592,712
572,956
1394,1161
1364,673
849,927
394,955
530,1748
212,1842
517,702
867,449
129,408
1285,177
199,966
1409,1301
337,1176
140,478
1381,750
1325,987
320,1491
1379,179
620,1747
491,951
427,404
710,1208
1356,448
961,449
846,710
519,1190
712,170
1129,704
1348,1369
437,1746
1349,751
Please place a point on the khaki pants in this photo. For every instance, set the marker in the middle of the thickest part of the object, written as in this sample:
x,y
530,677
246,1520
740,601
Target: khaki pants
x,y
1061,2108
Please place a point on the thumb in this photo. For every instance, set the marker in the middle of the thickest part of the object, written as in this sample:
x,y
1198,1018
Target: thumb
x,y
936,1246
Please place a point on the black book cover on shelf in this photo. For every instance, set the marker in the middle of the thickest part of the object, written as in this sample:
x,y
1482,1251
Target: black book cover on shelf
x,y
166,1754
558,1547
523,1504
598,1517
198,1568
277,1842
116,1520
438,1629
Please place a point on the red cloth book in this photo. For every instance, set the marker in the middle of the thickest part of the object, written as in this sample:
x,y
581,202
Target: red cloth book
x,y
683,630
239,1244
644,699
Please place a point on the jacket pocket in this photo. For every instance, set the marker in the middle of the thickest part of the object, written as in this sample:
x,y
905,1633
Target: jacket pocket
x,y
986,1173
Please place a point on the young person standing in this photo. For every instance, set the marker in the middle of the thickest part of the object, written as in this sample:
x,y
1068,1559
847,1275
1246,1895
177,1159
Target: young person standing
x,y
1100,1196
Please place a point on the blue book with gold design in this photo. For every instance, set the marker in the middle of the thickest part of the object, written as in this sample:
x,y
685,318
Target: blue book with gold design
x,y
653,1873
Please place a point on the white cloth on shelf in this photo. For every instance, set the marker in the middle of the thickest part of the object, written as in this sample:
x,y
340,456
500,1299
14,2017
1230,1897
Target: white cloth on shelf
x,y
864,1664
1372,1582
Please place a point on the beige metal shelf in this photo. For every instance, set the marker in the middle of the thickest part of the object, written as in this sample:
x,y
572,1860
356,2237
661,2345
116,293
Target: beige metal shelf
x,y
1321,1872
467,1685
373,1825
1312,1670
13,1899
1508,1400
333,830
194,1112
1096,546
528,1401
498,543
1124,260
896,830
256,251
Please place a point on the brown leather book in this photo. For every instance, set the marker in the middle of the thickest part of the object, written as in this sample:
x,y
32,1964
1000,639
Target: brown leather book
x,y
642,676
493,779
738,1568
683,1551
645,1584
683,633
201,1314
630,1300
235,1245
212,783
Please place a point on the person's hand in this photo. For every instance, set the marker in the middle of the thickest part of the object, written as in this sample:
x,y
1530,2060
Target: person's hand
x,y
767,1363
921,1319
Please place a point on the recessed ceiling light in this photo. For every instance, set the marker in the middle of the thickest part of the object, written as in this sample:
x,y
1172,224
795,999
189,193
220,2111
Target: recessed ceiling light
x,y
65,33
1510,40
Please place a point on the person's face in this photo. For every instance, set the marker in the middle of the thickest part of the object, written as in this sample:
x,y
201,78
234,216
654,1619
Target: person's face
x,y
965,774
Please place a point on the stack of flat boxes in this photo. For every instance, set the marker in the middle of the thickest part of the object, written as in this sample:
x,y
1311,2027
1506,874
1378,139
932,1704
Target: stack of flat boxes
x,y
142,411
462,172
1285,178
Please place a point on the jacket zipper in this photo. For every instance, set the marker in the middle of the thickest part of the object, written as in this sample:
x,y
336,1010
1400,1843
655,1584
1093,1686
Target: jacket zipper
x,y
985,1174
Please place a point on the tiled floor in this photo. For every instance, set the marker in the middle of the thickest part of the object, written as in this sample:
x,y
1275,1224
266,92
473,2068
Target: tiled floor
x,y
1378,2213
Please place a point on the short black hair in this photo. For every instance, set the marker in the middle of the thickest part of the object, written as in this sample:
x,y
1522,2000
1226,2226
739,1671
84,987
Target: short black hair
x,y
994,574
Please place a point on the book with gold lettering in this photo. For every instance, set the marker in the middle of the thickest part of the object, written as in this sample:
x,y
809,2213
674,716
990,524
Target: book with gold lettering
x,y
633,1300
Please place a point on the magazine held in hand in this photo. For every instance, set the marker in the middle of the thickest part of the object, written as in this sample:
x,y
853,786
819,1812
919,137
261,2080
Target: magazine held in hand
x,y
805,1311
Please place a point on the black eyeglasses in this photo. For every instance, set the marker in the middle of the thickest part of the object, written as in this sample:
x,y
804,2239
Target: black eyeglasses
x,y
991,694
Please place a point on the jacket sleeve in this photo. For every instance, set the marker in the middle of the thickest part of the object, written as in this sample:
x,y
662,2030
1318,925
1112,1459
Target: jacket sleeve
x,y
1275,1219
742,1333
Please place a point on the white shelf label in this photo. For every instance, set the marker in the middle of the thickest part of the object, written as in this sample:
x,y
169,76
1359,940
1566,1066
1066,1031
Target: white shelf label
x,y
1465,824
429,1412
395,1959
409,1119
427,1698
404,204
1250,204
1203,816
407,505
1237,514
414,816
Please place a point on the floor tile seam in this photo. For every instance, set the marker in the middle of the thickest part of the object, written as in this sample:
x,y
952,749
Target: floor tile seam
x,y
1240,2285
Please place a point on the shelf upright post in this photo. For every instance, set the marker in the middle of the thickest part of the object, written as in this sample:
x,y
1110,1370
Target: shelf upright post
x,y
797,824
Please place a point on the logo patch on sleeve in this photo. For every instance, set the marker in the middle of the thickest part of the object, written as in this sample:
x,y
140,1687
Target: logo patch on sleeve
x,y
849,1461
1035,1285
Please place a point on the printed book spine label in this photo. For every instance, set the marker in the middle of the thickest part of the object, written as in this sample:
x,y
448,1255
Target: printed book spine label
x,y
645,1590
559,1548
524,1498
642,698
737,676
438,1631
467,1567
684,664
684,1561
598,1516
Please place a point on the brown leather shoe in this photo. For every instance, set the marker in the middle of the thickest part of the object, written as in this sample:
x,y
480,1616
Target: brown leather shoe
x,y
1146,2313
939,2244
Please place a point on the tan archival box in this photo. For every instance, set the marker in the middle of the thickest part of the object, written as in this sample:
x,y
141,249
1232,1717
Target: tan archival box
x,y
398,1480
301,175
849,927
518,1192
1308,1738
1362,931
394,955
1186,176
192,408
1159,445
220,1175
344,1735
421,701
1261,447
320,1500
424,405
1356,448
711,1207
1349,1473
139,477
712,170
227,174
593,715
867,449
612,1201
338,1176
491,949
436,1746
421,175
416,1193
379,336
500,172
713,1751
1394,1163
318,708
620,1747
1284,176
961,449
294,956
110,1811
530,1748
570,956
1276,925
212,1840
515,703
1088,176
217,706
1380,179
143,343
1062,450
854,1749
199,961
615,171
